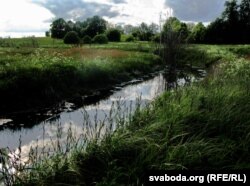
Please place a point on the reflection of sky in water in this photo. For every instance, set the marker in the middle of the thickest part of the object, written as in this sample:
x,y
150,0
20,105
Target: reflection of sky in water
x,y
44,133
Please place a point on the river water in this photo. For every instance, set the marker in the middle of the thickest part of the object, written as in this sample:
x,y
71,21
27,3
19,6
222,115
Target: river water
x,y
87,119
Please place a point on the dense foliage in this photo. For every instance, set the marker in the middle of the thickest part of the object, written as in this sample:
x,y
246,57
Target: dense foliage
x,y
130,38
87,40
233,26
100,39
71,38
91,27
114,35
58,28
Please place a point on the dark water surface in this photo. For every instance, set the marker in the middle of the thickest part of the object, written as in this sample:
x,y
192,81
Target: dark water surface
x,y
81,120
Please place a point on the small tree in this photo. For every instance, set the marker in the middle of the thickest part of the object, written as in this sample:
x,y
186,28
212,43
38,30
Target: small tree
x,y
114,35
172,42
71,38
198,33
87,40
100,39
58,28
47,33
95,25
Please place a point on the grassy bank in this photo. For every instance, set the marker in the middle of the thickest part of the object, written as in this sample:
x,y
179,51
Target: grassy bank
x,y
203,126
38,77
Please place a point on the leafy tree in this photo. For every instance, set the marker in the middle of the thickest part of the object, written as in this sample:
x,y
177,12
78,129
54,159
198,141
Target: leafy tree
x,y
71,38
145,33
94,26
198,33
58,28
114,35
231,14
77,27
119,28
70,26
154,28
183,32
47,33
136,32
87,40
100,39
244,13
176,28
231,18
215,32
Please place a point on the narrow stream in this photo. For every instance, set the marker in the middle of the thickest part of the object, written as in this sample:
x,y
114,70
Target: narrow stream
x,y
119,105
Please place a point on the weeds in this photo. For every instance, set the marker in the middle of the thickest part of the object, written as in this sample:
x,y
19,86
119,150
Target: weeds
x,y
202,127
44,78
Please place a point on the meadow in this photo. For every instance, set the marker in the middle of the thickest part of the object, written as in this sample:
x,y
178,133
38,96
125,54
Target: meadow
x,y
204,126
39,72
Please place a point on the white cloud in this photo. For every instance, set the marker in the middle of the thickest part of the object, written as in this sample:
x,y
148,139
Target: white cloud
x,y
32,16
137,11
23,16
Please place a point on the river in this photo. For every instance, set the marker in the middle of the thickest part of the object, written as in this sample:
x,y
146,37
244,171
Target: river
x,y
86,120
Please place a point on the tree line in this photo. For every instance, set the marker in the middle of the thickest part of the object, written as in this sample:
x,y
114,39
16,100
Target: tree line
x,y
232,27
97,28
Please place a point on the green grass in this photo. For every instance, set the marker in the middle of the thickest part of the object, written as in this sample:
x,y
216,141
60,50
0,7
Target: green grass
x,y
44,42
205,126
40,77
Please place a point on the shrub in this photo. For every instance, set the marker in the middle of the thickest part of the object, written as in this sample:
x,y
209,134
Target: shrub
x,y
114,35
130,38
156,38
71,38
100,39
87,40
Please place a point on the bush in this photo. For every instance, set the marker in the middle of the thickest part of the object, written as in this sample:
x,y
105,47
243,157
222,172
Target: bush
x,y
114,35
87,40
156,38
71,38
130,38
100,39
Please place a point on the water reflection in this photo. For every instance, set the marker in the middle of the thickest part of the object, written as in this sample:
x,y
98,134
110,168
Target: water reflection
x,y
86,121
89,115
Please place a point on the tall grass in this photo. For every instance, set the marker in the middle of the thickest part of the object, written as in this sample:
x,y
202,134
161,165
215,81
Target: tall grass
x,y
43,77
203,126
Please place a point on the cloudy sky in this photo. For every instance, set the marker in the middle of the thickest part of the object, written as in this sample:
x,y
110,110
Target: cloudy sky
x,y
33,17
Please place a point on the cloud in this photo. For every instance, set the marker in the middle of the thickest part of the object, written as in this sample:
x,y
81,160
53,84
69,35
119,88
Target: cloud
x,y
36,15
21,16
78,9
116,11
196,10
119,1
136,11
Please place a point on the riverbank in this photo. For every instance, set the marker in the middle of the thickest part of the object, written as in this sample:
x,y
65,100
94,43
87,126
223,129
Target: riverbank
x,y
204,126
33,79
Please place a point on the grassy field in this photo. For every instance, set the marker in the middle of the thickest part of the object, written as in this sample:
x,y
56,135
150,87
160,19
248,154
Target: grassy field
x,y
204,126
43,74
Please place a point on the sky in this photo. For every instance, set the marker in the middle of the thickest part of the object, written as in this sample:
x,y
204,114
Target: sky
x,y
33,17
